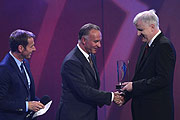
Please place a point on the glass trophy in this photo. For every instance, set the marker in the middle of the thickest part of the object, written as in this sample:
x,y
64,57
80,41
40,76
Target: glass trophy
x,y
122,73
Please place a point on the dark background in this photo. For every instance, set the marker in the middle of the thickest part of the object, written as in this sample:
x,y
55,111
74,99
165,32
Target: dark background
x,y
56,24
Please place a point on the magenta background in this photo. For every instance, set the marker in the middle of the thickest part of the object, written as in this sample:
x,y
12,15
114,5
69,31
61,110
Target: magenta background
x,y
56,24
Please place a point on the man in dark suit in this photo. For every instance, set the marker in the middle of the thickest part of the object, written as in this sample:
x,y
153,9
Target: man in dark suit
x,y
17,90
151,89
80,79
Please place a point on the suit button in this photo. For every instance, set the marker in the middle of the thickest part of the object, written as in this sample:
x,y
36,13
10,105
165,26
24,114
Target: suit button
x,y
26,98
20,110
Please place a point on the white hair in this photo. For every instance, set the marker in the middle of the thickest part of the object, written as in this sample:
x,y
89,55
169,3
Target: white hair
x,y
148,17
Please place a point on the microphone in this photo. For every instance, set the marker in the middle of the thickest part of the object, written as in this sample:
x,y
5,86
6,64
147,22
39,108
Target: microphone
x,y
44,100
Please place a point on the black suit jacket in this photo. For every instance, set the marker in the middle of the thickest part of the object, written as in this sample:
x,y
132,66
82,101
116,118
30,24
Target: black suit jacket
x,y
13,90
152,95
80,90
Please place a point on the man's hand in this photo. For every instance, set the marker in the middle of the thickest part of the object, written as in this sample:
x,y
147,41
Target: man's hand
x,y
118,99
127,86
35,106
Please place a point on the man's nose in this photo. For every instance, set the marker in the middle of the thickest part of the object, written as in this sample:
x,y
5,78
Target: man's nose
x,y
138,33
99,44
34,48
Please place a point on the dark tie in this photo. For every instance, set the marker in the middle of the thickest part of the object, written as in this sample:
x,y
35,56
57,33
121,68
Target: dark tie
x,y
25,79
145,51
24,74
92,65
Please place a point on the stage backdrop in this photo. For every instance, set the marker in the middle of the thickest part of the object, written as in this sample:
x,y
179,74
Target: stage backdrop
x,y
56,24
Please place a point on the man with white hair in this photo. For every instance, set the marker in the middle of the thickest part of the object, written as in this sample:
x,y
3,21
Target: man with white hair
x,y
151,88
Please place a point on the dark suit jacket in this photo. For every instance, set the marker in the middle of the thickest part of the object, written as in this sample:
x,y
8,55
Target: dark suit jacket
x,y
13,90
152,95
80,94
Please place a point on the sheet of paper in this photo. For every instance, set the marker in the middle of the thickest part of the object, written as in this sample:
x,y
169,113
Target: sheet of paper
x,y
42,111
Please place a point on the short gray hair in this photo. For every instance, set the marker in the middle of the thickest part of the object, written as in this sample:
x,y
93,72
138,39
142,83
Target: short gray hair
x,y
84,31
148,17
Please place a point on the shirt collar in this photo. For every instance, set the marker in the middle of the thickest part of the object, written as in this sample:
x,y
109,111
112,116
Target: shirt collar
x,y
154,38
16,60
83,52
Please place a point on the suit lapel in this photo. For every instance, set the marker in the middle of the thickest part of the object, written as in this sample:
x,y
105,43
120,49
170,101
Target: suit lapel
x,y
141,61
14,65
140,56
84,61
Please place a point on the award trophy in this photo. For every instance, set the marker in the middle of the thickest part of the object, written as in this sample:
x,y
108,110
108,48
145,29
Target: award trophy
x,y
122,74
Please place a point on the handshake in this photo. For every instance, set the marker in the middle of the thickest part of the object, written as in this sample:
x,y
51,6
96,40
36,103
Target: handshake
x,y
119,96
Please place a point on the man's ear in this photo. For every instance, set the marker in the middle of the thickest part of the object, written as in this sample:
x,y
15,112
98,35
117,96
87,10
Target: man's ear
x,y
152,26
83,40
20,48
